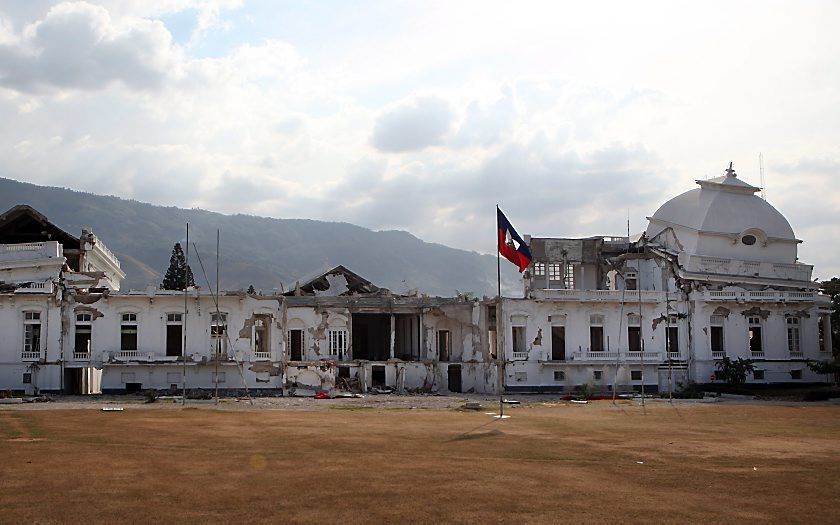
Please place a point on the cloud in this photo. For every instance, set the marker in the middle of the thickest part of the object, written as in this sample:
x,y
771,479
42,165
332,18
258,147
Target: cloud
x,y
413,124
78,46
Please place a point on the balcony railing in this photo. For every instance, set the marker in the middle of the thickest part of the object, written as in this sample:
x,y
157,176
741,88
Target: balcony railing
x,y
128,353
757,355
726,266
81,356
262,355
30,356
30,250
674,355
35,287
765,296
520,356
718,354
616,356
796,354
561,294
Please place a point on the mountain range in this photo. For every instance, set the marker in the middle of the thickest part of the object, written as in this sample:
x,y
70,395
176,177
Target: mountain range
x,y
268,253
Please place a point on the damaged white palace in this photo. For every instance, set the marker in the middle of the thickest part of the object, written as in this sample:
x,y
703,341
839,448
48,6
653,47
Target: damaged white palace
x,y
715,275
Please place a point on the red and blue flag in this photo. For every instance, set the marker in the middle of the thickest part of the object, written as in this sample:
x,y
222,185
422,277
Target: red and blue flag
x,y
511,245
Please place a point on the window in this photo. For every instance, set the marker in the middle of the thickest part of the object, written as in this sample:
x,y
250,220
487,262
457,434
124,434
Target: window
x,y
539,269
597,375
295,345
719,375
555,272
444,340
796,374
569,277
758,375
27,378
519,339
755,336
630,281
174,335
261,345
634,333
128,333
559,375
793,335
635,375
83,334
558,343
218,331
338,343
716,335
673,336
32,333
596,333
749,240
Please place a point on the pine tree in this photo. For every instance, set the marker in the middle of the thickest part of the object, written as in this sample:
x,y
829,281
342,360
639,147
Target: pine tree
x,y
174,278
251,290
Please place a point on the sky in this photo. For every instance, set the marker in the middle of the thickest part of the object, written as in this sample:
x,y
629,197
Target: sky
x,y
422,116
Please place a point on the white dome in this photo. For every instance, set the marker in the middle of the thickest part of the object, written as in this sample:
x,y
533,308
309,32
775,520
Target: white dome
x,y
724,205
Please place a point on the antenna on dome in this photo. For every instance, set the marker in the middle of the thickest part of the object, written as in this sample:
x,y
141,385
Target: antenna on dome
x,y
761,171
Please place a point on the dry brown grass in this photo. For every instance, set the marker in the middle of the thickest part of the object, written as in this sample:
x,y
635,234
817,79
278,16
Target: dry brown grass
x,y
569,463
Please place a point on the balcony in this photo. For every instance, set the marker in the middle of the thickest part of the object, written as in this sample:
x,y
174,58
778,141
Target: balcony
x,y
761,296
81,356
756,355
30,251
520,356
598,296
262,356
128,353
30,356
726,266
718,354
796,355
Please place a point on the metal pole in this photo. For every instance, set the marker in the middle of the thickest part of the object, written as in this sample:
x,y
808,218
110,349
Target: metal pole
x,y
218,317
184,322
499,321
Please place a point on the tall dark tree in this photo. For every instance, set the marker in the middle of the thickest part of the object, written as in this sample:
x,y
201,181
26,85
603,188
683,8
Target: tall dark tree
x,y
831,288
174,278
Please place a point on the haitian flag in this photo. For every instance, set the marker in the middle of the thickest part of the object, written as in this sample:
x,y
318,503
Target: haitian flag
x,y
511,245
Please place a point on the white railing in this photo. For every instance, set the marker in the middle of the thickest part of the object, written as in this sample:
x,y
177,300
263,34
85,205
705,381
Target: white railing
x,y
673,355
759,296
520,356
30,355
726,266
81,356
598,295
796,354
128,353
36,287
106,253
30,250
718,354
595,356
757,355
262,355
647,356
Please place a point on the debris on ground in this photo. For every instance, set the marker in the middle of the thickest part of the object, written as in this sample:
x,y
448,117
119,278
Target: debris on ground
x,y
510,402
473,405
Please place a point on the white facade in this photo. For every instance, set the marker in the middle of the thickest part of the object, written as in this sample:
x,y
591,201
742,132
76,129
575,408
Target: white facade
x,y
715,275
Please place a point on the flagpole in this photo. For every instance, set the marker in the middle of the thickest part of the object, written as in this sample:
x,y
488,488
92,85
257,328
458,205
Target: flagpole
x,y
499,321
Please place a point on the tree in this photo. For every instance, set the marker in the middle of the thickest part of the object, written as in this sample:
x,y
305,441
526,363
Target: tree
x,y
251,290
735,372
174,278
832,289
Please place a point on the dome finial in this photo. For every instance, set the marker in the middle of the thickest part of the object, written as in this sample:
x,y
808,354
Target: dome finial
x,y
731,171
